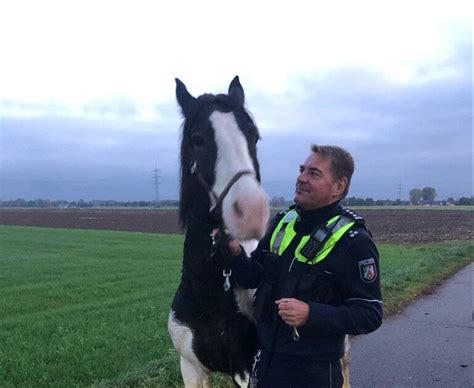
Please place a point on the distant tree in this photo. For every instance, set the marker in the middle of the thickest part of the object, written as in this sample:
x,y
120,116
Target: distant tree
x,y
369,202
277,201
415,196
20,203
463,201
429,194
345,201
43,203
83,204
355,201
59,204
170,202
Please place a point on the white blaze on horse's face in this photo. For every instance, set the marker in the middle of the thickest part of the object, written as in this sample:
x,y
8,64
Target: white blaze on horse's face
x,y
245,209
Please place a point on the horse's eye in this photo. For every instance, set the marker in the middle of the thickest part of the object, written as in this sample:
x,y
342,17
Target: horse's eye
x,y
197,140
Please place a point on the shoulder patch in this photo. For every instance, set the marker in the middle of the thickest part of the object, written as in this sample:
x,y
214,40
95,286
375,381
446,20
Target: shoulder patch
x,y
368,270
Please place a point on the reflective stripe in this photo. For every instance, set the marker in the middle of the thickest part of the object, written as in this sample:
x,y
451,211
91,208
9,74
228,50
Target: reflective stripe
x,y
280,232
366,300
329,245
285,232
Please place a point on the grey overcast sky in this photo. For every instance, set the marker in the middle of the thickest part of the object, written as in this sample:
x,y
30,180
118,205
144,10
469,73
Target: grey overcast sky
x,y
87,105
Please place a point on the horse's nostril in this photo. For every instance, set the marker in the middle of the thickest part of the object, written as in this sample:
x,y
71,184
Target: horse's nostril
x,y
238,210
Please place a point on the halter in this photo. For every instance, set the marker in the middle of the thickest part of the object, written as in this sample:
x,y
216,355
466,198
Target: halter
x,y
216,207
220,243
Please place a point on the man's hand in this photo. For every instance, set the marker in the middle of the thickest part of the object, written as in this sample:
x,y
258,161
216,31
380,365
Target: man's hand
x,y
294,312
234,246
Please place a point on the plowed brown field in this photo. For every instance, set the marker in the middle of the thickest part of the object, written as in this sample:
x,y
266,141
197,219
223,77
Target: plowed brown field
x,y
388,225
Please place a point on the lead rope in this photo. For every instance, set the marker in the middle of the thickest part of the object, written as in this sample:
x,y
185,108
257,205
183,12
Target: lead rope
x,y
220,245
295,335
253,377
227,271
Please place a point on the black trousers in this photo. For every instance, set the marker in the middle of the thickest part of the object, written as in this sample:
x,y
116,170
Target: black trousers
x,y
301,374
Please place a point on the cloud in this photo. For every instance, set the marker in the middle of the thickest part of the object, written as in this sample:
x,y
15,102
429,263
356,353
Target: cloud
x,y
89,50
118,107
413,129
414,134
71,159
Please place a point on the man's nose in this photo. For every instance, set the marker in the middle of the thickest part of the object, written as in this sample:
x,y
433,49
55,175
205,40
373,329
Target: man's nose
x,y
301,177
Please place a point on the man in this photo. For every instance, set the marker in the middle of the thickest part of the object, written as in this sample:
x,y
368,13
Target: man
x,y
317,277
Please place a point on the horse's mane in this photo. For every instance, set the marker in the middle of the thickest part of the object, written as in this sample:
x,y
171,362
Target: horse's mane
x,y
188,193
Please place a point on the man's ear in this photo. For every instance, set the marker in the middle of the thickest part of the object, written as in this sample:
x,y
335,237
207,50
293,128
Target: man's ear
x,y
340,186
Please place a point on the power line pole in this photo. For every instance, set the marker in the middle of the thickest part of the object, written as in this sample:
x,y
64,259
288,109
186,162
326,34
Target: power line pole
x,y
400,191
156,183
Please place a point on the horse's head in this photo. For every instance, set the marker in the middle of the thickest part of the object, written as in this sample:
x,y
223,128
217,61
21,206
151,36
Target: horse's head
x,y
219,159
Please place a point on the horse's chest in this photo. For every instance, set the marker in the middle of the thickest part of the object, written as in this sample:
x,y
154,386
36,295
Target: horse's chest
x,y
215,334
204,311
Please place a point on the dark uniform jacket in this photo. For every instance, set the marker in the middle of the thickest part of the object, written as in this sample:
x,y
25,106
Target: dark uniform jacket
x,y
343,299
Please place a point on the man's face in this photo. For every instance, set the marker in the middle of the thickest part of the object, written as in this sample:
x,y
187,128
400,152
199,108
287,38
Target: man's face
x,y
315,186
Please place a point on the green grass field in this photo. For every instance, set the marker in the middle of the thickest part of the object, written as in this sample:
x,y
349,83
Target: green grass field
x,y
89,308
79,306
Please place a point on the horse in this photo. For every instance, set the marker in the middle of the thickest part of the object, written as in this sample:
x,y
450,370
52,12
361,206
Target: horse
x,y
211,320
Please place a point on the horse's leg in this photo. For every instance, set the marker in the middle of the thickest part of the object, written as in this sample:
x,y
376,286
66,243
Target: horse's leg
x,y
242,382
193,376
345,361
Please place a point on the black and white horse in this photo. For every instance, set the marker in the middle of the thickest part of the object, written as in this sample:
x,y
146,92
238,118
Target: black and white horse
x,y
210,322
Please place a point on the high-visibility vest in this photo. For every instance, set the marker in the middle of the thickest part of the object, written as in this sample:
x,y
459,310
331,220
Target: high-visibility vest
x,y
285,232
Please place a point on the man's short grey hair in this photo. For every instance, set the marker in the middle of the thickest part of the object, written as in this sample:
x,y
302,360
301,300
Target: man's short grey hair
x,y
342,163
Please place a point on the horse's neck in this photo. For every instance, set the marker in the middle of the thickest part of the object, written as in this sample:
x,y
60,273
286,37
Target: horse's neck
x,y
197,260
198,237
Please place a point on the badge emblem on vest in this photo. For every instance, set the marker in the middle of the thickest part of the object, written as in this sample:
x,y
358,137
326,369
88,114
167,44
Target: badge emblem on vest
x,y
368,271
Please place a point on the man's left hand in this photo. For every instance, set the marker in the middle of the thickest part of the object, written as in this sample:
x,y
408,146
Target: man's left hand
x,y
294,312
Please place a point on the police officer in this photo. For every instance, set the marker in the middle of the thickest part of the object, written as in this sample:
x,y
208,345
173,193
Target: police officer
x,y
317,277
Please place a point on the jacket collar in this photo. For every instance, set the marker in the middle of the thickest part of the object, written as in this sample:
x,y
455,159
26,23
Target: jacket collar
x,y
311,219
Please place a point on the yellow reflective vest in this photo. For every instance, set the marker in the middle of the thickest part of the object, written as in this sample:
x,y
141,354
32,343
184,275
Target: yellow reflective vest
x,y
285,232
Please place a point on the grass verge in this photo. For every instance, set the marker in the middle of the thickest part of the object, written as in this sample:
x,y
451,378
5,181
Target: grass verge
x,y
409,271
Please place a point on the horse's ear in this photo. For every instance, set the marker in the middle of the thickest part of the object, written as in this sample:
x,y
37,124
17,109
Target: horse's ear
x,y
185,100
236,91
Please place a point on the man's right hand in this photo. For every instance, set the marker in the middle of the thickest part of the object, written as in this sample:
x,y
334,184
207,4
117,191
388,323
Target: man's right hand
x,y
234,246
